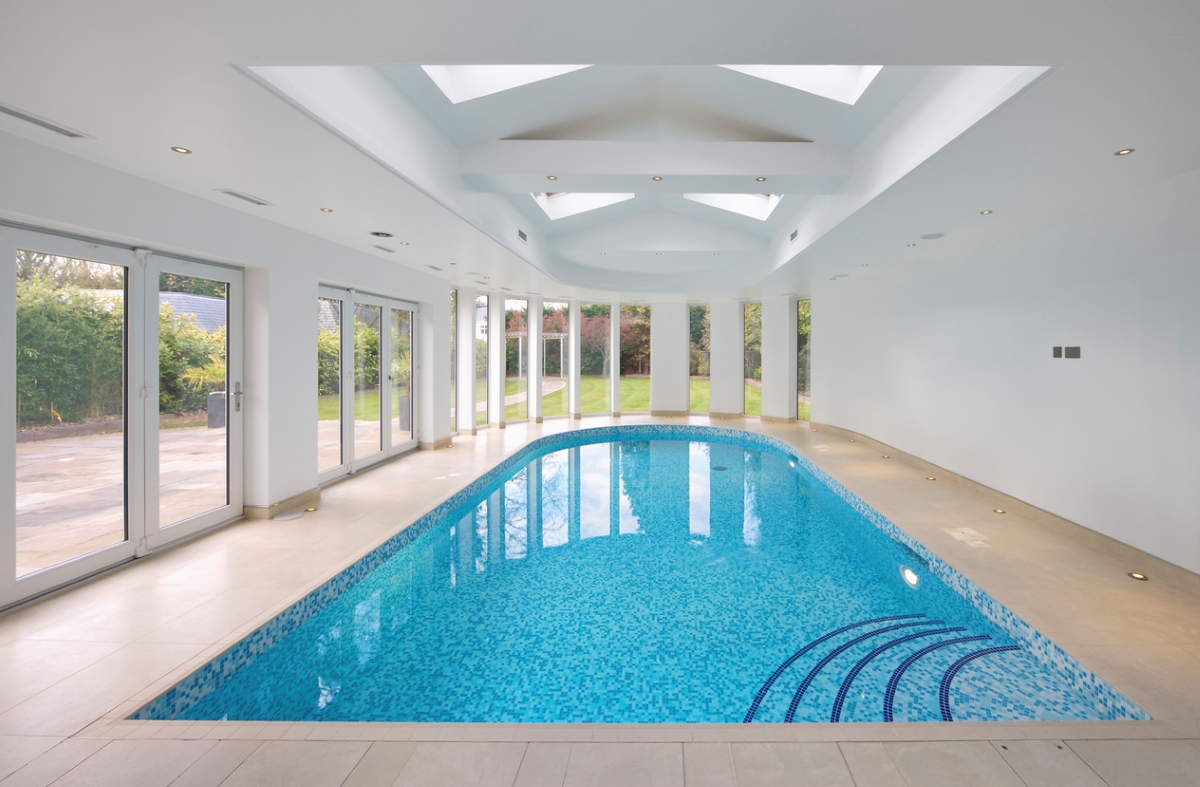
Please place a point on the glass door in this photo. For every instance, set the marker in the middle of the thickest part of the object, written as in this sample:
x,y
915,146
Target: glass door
x,y
400,379
196,450
121,399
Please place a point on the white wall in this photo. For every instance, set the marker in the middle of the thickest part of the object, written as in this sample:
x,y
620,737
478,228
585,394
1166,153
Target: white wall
x,y
951,361
45,187
669,350
726,336
779,339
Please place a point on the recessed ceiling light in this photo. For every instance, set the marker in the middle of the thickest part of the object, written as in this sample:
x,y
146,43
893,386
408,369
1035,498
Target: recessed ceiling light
x,y
833,278
760,180
911,245
716,254
403,243
1139,576
327,210
552,177
382,234
604,254
181,150
984,212
658,254
1124,152
865,265
657,177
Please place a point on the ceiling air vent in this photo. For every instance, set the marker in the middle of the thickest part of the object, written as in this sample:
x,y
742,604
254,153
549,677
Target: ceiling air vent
x,y
28,117
795,234
434,268
253,200
521,234
383,248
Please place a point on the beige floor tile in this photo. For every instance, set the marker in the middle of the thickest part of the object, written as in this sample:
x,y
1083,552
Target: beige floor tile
x,y
146,763
380,766
952,763
870,765
1141,763
628,764
1047,764
545,765
215,765
73,703
30,666
778,763
17,751
458,764
298,764
708,765
44,769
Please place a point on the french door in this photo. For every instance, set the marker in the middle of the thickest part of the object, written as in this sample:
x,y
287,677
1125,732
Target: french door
x,y
120,406
366,380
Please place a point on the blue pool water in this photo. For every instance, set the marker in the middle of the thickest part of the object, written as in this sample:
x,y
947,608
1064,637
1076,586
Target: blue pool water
x,y
647,574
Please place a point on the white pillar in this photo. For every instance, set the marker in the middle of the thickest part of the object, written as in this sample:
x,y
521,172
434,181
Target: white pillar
x,y
496,351
670,391
432,364
779,359
465,397
573,318
614,368
534,359
726,335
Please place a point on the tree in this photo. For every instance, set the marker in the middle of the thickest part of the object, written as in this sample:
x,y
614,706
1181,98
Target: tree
x,y
635,340
594,350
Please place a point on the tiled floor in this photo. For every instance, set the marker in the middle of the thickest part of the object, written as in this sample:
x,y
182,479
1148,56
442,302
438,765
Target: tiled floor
x,y
76,663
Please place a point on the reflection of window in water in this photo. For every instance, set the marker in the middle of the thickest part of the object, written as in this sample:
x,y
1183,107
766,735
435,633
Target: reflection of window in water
x,y
329,679
594,485
366,628
699,491
516,515
555,499
751,524
481,537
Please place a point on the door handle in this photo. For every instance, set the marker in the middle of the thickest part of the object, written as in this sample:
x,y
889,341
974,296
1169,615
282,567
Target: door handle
x,y
237,397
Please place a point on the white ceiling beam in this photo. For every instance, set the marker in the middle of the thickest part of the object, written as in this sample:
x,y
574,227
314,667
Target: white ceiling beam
x,y
515,166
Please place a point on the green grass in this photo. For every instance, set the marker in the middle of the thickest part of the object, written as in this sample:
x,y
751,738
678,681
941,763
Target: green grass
x,y
593,395
753,401
366,406
700,396
635,394
803,411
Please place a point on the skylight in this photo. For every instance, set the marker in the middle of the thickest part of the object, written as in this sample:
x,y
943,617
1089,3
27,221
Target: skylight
x,y
559,205
463,83
840,83
756,206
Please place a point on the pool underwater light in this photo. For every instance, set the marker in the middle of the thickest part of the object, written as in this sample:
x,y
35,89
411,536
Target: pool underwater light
x,y
909,576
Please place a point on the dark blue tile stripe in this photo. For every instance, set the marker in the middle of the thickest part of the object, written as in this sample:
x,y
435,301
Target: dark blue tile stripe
x,y
889,695
948,678
836,714
762,693
811,676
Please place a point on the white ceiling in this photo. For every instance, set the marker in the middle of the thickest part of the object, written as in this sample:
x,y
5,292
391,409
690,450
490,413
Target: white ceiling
x,y
138,77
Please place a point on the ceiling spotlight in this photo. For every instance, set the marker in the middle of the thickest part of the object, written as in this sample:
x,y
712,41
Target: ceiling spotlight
x,y
760,180
911,245
382,234
327,210
657,177
865,265
185,150
984,212
1124,152
658,254
604,254
1139,576
716,254
552,177
833,278
403,243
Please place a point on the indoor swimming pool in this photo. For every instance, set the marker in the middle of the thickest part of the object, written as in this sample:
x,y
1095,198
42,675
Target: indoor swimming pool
x,y
647,574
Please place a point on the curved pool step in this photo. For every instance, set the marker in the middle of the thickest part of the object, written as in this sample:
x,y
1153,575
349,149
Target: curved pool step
x,y
836,714
948,678
889,694
790,660
812,674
